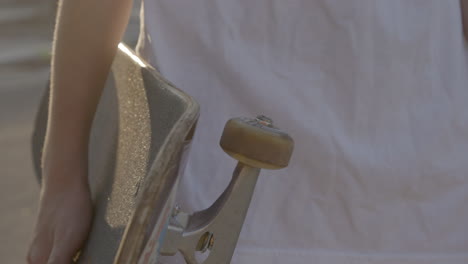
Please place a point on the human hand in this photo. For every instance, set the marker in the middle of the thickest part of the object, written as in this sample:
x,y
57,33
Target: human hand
x,y
65,213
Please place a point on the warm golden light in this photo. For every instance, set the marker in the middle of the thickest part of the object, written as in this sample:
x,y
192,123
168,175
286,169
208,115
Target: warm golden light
x,y
124,48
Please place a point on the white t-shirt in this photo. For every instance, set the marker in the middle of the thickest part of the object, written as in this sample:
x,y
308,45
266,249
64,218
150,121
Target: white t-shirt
x,y
375,95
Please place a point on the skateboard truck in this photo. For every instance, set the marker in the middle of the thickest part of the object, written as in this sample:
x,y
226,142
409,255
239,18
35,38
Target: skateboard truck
x,y
256,144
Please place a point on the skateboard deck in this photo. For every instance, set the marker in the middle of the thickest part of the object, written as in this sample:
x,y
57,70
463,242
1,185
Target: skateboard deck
x,y
139,143
141,129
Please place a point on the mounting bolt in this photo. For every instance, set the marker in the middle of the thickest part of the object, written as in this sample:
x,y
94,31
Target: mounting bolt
x,y
211,244
176,210
264,120
206,242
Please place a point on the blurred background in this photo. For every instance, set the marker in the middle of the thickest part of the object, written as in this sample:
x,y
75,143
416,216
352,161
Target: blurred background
x,y
26,29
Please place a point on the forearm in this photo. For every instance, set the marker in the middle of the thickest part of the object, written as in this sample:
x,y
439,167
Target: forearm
x,y
86,38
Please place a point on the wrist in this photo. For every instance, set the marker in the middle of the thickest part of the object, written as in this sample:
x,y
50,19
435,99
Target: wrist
x,y
64,164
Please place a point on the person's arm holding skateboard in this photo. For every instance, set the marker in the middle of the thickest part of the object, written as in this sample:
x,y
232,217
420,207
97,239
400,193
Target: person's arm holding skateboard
x,y
86,38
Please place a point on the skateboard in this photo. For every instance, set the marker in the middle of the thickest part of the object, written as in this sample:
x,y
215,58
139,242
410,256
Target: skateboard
x,y
139,143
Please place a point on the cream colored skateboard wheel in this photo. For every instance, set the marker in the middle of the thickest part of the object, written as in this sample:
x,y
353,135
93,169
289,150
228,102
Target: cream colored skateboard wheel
x,y
257,143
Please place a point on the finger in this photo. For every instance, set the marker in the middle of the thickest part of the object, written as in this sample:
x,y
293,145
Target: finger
x,y
59,260
64,250
61,255
39,250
